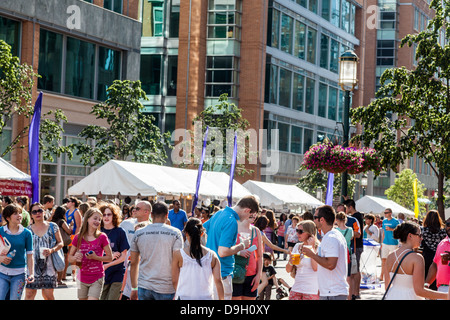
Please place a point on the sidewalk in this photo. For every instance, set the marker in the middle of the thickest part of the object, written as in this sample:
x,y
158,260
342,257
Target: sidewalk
x,y
69,292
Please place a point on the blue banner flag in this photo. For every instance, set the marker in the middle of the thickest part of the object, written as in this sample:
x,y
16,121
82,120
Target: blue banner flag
x,y
329,196
233,166
200,169
33,147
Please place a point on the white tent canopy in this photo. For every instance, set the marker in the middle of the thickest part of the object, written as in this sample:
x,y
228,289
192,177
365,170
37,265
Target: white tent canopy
x,y
9,172
447,213
278,196
131,179
377,205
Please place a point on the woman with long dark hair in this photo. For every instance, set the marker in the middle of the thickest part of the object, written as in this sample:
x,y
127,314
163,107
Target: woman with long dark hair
x,y
195,268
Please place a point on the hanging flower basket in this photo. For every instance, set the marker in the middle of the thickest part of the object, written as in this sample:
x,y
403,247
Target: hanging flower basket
x,y
336,159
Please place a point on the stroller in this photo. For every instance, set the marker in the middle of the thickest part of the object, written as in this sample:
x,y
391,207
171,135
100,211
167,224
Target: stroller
x,y
282,292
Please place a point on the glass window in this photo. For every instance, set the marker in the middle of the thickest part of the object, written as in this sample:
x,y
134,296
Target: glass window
x,y
10,32
303,3
312,6
296,139
80,68
151,74
307,139
326,10
311,53
332,103
108,70
286,33
300,39
271,83
346,15
169,125
322,110
174,23
335,12
324,51
285,88
50,60
334,56
152,19
172,75
299,89
283,130
114,5
221,76
309,95
273,33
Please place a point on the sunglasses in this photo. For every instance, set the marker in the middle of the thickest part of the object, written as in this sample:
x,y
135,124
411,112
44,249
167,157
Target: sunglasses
x,y
316,217
300,231
37,211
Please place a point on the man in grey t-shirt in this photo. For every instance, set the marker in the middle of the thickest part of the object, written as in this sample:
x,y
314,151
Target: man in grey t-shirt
x,y
151,257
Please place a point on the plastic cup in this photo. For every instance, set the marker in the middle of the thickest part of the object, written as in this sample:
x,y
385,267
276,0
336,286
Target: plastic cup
x,y
41,252
444,259
296,259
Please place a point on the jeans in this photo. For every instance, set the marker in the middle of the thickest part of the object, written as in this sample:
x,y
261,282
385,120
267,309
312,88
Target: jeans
x,y
147,294
12,284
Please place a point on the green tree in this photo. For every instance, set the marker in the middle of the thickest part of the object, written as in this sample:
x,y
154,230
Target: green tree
x,y
402,190
411,113
130,134
220,118
16,87
315,179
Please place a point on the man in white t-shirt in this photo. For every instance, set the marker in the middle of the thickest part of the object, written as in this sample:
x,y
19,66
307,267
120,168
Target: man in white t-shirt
x,y
331,257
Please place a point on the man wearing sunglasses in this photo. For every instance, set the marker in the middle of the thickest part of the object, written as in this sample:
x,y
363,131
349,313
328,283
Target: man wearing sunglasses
x,y
440,269
388,243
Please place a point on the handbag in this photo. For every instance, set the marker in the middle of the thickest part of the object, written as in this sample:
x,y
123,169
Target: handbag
x,y
396,270
240,267
57,256
64,235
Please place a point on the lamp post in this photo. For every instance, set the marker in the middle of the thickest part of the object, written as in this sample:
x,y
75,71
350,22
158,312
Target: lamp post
x,y
364,183
348,62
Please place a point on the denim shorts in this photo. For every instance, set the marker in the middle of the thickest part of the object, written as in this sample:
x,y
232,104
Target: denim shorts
x,y
147,294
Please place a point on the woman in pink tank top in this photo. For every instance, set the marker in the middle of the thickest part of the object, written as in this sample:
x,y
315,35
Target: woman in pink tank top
x,y
248,289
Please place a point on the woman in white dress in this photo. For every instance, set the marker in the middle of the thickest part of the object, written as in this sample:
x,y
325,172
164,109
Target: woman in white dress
x,y
408,284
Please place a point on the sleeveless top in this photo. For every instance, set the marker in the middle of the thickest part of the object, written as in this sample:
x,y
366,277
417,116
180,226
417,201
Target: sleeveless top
x,y
196,282
252,263
402,287
71,216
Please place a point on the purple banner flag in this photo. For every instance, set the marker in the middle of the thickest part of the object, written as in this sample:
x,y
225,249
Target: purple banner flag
x,y
329,196
233,166
33,148
200,169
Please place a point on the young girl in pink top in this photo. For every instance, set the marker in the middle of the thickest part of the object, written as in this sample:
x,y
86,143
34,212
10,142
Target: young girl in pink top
x,y
90,248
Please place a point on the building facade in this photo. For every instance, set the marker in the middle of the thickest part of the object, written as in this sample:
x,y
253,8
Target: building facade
x,y
78,48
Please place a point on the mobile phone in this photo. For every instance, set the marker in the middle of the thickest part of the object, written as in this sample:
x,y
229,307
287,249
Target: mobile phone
x,y
90,252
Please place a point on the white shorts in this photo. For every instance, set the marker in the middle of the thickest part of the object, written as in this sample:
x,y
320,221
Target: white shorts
x,y
386,249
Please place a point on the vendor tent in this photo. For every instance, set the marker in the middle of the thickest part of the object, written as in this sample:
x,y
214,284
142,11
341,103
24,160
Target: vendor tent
x,y
447,213
377,205
131,179
279,196
13,182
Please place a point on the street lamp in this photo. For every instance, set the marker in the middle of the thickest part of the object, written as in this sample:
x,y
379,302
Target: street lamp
x,y
364,183
348,63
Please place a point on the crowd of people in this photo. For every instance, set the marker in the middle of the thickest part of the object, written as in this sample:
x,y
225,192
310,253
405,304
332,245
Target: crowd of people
x,y
150,250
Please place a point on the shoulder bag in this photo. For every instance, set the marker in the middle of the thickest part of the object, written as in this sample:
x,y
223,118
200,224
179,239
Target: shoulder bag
x,y
57,256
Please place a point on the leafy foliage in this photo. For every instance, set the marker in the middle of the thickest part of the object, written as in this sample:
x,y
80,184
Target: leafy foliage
x,y
129,135
411,112
402,190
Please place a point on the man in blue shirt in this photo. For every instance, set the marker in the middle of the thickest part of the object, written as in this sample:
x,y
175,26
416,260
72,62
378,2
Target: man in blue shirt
x,y
177,216
388,243
222,231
